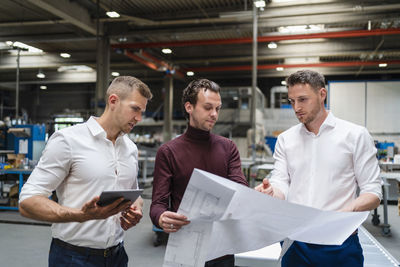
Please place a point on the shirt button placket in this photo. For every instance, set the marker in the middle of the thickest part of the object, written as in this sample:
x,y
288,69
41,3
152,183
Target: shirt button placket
x,y
313,164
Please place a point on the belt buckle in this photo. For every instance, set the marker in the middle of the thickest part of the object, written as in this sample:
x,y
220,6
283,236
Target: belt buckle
x,y
107,252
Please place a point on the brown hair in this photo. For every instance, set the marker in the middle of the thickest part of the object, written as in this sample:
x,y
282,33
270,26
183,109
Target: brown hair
x,y
192,90
313,78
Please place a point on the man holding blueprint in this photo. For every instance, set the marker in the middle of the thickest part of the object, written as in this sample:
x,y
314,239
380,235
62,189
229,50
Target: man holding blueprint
x,y
196,148
320,163
80,162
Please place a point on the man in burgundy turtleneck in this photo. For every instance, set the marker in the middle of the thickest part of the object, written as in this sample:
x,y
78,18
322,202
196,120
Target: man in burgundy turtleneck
x,y
196,148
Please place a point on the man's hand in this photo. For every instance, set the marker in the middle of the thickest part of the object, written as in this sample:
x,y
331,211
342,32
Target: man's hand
x,y
92,211
171,222
130,217
265,187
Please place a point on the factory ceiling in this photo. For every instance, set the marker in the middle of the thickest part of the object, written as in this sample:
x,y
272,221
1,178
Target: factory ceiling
x,y
211,38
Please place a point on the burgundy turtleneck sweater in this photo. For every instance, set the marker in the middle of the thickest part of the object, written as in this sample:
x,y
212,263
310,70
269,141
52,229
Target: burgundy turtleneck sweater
x,y
176,160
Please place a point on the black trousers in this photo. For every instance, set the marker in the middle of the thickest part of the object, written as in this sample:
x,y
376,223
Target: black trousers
x,y
225,261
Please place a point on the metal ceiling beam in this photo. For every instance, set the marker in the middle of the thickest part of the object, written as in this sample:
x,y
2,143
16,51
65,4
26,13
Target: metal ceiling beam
x,y
300,53
278,12
266,24
48,38
147,63
33,23
284,74
154,63
342,34
286,66
69,11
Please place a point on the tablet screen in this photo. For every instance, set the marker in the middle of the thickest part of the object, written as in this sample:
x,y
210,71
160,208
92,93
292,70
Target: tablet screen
x,y
108,197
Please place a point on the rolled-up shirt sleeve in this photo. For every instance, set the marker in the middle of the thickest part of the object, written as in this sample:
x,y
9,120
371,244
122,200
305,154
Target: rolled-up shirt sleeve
x,y
280,177
53,167
366,166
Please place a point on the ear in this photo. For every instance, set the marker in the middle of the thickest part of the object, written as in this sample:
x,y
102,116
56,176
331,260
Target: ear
x,y
188,107
113,99
323,93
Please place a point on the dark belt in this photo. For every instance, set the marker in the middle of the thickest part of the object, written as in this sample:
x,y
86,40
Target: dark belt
x,y
85,250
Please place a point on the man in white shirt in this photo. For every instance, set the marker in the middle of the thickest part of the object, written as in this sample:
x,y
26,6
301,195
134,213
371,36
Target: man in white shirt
x,y
80,162
320,163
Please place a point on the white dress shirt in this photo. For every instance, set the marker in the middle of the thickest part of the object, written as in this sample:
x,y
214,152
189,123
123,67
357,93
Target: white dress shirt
x,y
79,162
324,170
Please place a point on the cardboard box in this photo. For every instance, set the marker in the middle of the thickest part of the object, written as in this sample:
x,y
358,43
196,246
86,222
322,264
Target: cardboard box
x,y
14,191
15,159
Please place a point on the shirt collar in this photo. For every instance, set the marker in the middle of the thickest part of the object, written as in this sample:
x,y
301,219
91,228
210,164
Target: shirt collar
x,y
329,122
94,127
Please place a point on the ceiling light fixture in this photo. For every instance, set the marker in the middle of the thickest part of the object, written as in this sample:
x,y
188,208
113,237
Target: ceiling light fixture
x,y
272,45
383,65
122,39
75,68
24,47
190,73
115,74
65,55
259,3
113,14
43,87
279,68
166,51
40,75
301,28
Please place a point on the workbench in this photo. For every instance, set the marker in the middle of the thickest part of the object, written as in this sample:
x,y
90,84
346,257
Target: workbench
x,y
252,166
385,189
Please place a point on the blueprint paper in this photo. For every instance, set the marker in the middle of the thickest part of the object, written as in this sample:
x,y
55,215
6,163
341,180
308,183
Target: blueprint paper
x,y
189,246
229,218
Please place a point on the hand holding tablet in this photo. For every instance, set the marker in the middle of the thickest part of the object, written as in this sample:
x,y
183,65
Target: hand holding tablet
x,y
108,197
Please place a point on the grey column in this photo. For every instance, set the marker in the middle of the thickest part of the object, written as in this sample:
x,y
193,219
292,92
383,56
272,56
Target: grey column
x,y
103,71
254,82
17,88
169,92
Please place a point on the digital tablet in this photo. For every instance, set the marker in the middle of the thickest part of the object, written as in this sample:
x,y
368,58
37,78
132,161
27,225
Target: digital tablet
x,y
108,197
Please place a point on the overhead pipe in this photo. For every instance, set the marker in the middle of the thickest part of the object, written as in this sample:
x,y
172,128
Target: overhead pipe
x,y
272,38
287,66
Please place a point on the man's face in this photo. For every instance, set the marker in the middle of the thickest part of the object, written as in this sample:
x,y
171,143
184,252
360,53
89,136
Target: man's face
x,y
129,111
306,102
204,114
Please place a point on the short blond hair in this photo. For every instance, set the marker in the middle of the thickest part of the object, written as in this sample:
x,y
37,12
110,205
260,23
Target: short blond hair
x,y
123,86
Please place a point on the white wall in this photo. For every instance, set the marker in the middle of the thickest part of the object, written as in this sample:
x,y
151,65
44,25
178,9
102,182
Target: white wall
x,y
383,102
375,105
347,101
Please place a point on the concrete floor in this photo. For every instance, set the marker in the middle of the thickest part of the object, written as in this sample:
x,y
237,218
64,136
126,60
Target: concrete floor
x,y
26,245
